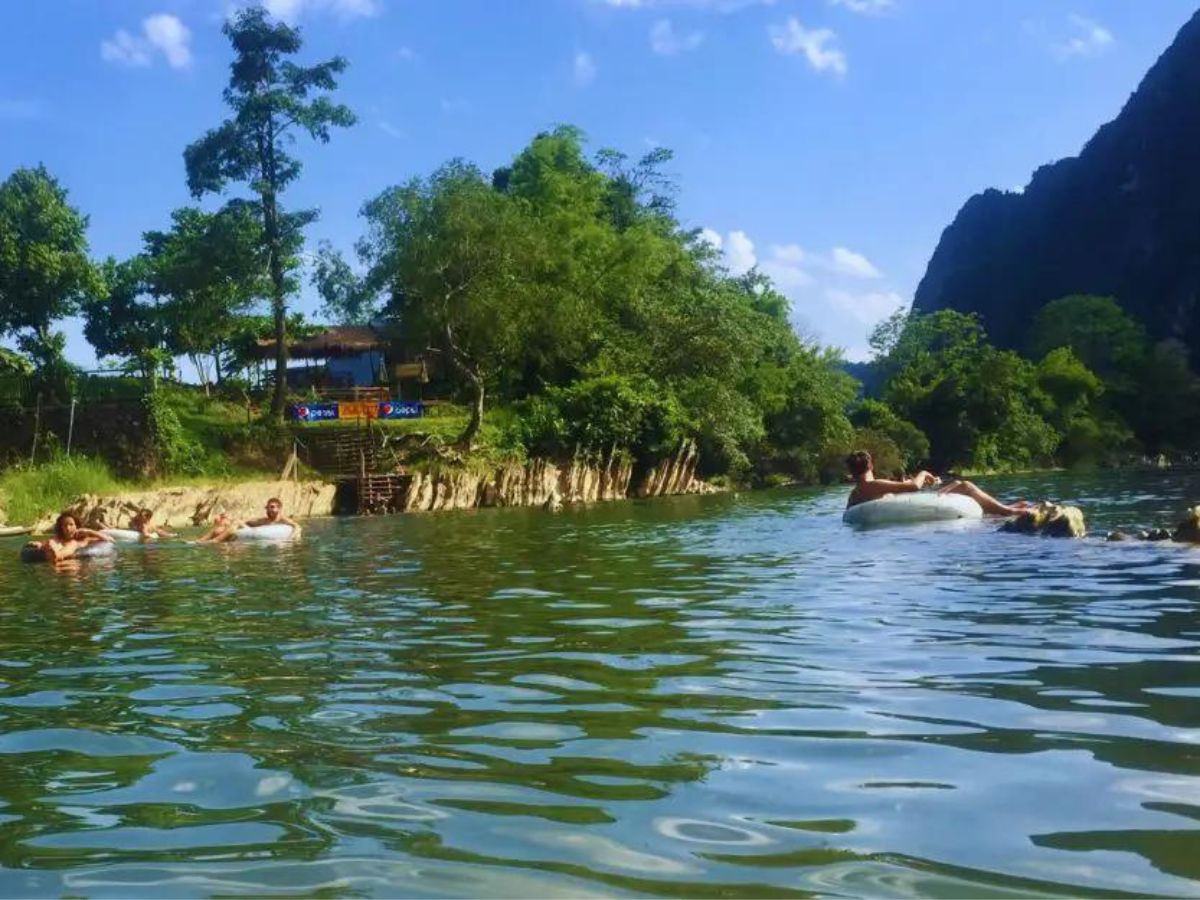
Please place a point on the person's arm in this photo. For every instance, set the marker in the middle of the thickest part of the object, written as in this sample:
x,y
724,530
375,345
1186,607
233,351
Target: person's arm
x,y
50,552
286,521
89,534
881,486
159,531
888,486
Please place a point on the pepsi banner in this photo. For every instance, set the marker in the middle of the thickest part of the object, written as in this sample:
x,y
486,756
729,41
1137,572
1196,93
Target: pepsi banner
x,y
314,412
398,409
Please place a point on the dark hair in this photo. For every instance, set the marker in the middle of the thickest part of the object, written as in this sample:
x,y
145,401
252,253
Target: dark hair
x,y
275,500
58,524
859,463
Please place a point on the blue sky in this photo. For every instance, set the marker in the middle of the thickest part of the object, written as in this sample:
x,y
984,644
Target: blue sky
x,y
827,141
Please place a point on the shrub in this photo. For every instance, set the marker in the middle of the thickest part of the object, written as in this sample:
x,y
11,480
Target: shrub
x,y
909,440
601,415
30,492
889,461
175,451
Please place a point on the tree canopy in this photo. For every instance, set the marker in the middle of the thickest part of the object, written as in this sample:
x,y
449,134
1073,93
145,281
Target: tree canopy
x,y
272,98
45,271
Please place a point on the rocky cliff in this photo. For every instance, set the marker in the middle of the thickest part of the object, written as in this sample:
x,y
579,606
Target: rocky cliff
x,y
542,483
1121,219
537,483
180,507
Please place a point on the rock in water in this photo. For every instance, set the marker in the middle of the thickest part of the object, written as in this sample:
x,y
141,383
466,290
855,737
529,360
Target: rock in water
x,y
1114,536
1158,534
1049,519
1066,522
1188,531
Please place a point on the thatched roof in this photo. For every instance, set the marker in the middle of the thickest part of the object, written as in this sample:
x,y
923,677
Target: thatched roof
x,y
343,340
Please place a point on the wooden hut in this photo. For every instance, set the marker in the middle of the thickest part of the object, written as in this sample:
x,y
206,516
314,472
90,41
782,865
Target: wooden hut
x,y
348,359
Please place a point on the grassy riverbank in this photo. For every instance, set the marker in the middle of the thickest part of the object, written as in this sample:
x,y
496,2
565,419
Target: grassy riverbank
x,y
219,442
28,492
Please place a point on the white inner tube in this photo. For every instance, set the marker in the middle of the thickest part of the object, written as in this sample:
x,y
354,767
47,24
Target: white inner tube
x,y
35,554
908,509
100,548
276,532
126,535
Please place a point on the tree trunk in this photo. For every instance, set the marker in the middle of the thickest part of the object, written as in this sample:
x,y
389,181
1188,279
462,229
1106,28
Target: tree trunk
x,y
466,440
278,301
198,364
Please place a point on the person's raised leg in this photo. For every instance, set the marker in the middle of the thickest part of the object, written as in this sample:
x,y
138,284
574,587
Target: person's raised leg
x,y
991,506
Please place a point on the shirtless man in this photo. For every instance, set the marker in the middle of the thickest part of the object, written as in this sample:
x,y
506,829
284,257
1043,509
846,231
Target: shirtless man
x,y
68,539
141,523
868,487
222,530
274,516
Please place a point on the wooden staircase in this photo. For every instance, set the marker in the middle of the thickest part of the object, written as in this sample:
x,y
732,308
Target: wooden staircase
x,y
381,493
368,479
341,452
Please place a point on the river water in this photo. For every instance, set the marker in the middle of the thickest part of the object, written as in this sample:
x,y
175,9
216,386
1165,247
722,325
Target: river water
x,y
731,695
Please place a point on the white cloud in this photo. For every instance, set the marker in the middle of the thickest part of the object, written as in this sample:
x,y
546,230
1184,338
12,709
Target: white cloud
x,y
171,36
391,130
125,49
868,308
454,107
847,262
790,254
816,45
866,7
161,32
783,266
407,54
583,69
665,41
711,237
739,253
823,287
292,10
1089,38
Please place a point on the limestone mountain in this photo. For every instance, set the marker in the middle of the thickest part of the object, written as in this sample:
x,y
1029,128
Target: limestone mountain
x,y
1121,219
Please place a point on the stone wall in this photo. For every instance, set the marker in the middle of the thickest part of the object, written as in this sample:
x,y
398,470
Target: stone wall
x,y
536,483
544,483
179,507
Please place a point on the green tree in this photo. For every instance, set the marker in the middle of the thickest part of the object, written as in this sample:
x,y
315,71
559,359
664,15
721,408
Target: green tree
x,y
125,322
1103,336
451,254
1166,416
208,271
14,363
347,299
977,405
570,290
45,272
634,192
912,446
271,99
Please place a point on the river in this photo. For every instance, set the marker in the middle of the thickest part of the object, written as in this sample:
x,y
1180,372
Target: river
x,y
727,695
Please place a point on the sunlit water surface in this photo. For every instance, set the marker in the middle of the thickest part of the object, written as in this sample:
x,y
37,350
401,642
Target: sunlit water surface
x,y
703,697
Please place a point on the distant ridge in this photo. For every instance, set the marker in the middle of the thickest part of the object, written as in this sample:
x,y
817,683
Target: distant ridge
x,y
1120,219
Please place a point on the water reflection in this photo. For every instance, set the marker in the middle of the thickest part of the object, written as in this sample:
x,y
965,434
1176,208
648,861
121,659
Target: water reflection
x,y
701,697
